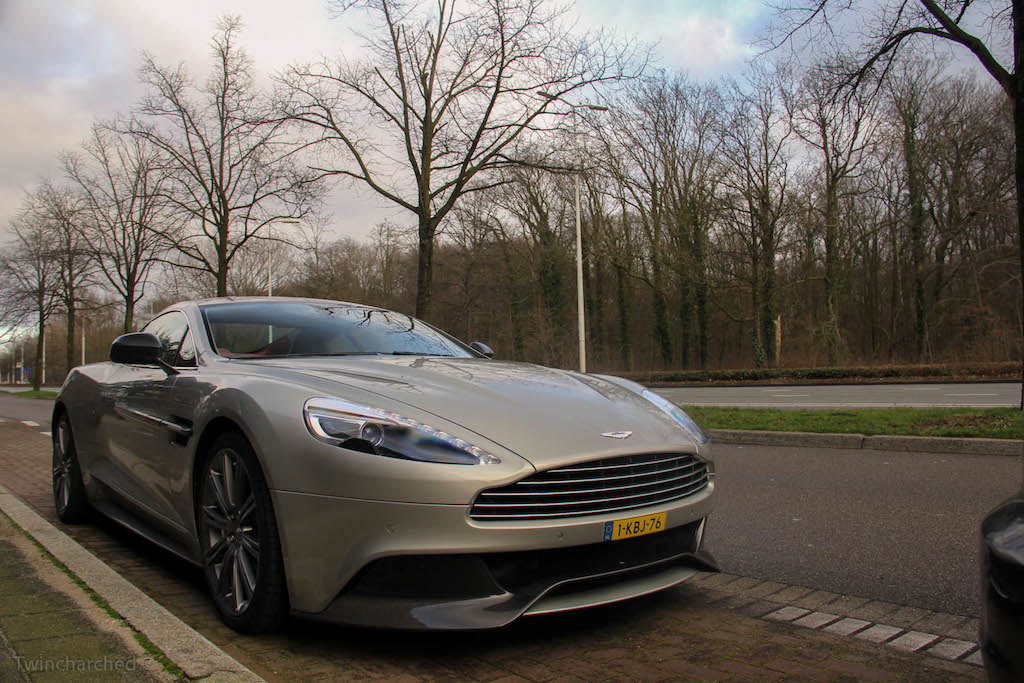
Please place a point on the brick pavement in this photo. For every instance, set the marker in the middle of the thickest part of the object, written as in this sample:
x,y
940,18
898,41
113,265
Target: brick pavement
x,y
693,632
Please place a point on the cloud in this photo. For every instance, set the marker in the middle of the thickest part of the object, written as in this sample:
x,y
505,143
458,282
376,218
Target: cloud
x,y
707,38
705,46
66,63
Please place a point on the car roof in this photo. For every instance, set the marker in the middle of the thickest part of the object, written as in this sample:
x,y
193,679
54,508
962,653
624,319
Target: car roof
x,y
264,299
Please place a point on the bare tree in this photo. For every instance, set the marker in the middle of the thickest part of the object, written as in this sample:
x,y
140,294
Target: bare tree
x,y
16,309
756,145
982,28
31,269
61,212
123,186
838,128
907,91
445,90
230,163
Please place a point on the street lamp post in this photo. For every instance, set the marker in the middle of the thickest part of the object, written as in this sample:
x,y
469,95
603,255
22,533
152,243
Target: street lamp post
x,y
579,228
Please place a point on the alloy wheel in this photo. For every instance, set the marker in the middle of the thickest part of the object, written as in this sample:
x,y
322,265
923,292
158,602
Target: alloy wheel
x,y
231,530
61,465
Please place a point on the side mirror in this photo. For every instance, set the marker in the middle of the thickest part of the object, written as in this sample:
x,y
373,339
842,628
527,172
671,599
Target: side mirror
x,y
137,348
482,349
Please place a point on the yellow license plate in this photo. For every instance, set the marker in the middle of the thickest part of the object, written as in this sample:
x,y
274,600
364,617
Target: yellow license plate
x,y
634,526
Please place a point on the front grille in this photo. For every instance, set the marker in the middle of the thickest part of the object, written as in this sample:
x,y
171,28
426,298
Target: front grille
x,y
594,487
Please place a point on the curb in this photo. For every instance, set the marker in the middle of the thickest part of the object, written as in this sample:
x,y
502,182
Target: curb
x,y
739,384
916,444
196,656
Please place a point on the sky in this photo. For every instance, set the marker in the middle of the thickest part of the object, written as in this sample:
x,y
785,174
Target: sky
x,y
67,63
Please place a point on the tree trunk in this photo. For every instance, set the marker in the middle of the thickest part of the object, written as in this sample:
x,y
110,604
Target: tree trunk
x,y
831,272
515,303
914,195
622,299
425,267
685,316
768,313
70,349
37,373
756,347
222,261
701,266
129,307
661,333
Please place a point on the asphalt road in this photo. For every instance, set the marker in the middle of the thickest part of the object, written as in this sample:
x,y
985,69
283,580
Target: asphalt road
x,y
33,409
979,394
898,527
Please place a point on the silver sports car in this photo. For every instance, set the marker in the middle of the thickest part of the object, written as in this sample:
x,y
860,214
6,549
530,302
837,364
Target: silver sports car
x,y
353,464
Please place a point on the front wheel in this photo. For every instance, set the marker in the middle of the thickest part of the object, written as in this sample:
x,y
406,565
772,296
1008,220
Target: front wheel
x,y
238,538
69,497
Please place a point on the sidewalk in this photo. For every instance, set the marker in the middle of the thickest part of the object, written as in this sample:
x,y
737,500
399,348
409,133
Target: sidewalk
x,y
693,632
51,630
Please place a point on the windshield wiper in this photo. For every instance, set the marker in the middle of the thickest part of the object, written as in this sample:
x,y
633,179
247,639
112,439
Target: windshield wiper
x,y
415,353
305,355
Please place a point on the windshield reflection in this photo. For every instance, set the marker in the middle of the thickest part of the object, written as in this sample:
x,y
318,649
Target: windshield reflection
x,y
282,329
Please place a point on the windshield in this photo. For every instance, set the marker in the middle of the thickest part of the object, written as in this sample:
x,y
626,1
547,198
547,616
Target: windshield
x,y
281,329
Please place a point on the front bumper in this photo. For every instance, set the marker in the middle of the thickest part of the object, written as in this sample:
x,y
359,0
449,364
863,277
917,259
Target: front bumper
x,y
430,566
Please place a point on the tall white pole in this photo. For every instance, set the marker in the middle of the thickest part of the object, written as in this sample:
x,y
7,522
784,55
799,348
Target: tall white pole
x,y
579,252
83,344
579,282
22,363
270,260
43,364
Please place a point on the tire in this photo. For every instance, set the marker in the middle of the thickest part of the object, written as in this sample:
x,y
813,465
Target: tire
x,y
241,550
69,497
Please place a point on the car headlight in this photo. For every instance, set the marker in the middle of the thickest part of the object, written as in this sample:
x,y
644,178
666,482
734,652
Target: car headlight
x,y
381,432
679,415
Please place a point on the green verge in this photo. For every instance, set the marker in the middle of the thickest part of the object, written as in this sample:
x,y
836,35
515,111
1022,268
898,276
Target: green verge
x,y
993,423
32,394
881,373
147,645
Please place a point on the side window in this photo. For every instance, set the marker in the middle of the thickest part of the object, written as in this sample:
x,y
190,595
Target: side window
x,y
187,352
171,328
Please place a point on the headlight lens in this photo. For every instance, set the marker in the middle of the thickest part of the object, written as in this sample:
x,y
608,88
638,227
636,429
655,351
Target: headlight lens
x,y
380,432
679,415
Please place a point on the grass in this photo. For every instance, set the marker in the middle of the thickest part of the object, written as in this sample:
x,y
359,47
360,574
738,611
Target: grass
x,y
49,395
147,645
879,373
993,423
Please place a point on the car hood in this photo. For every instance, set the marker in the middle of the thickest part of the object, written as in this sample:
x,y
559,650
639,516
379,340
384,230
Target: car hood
x,y
547,416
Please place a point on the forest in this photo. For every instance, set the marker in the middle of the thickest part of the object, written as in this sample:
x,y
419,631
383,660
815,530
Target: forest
x,y
785,216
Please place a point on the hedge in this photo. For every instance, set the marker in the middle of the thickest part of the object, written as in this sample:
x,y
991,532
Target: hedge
x,y
905,372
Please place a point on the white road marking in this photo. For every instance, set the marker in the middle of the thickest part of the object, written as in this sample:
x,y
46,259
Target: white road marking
x,y
45,433
790,395
921,388
29,423
971,394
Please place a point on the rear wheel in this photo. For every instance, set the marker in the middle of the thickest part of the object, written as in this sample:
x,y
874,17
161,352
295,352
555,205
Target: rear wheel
x,y
68,491
238,538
